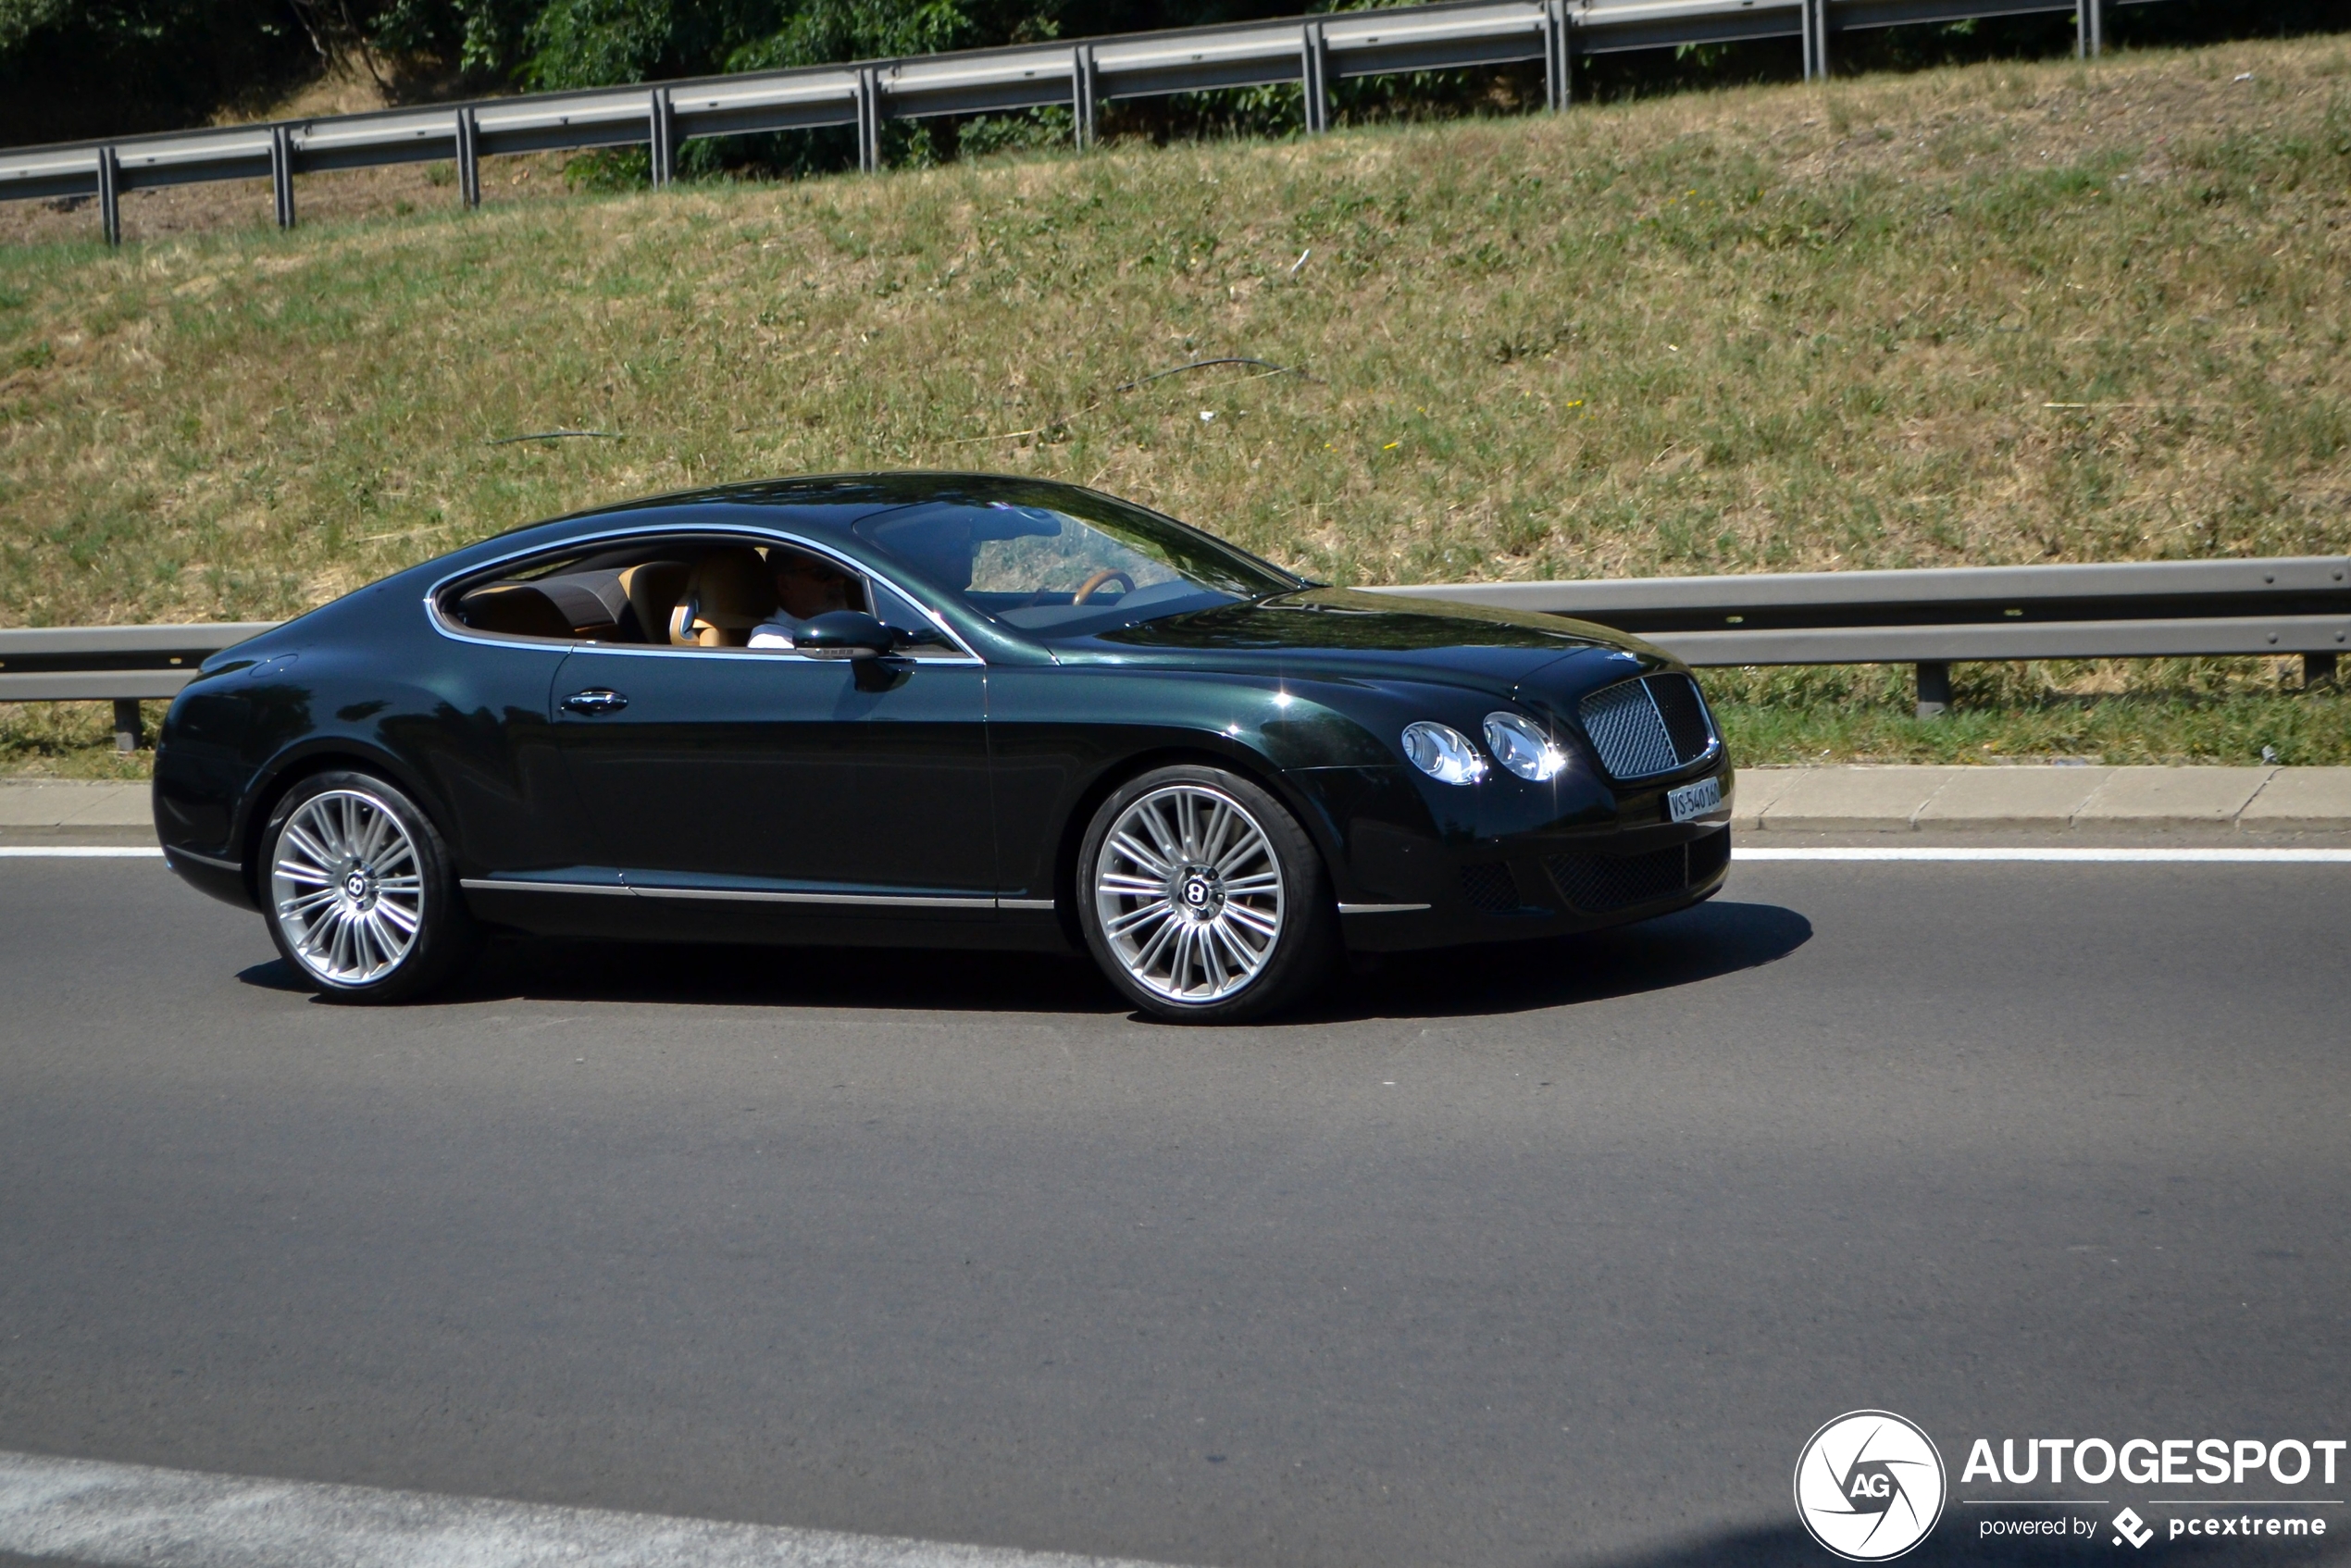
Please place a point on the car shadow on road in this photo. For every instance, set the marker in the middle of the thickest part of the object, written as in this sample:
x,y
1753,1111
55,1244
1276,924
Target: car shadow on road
x,y
1713,939
1956,1541
1678,950
683,974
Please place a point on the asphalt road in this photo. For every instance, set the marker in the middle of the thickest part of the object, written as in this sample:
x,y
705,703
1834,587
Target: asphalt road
x,y
1515,1257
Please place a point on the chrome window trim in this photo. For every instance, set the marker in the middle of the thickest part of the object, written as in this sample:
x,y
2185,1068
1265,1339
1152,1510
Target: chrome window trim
x,y
963,658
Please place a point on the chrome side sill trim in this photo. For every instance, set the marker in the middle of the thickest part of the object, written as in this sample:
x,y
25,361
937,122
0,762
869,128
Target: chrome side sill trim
x,y
212,860
1379,908
754,895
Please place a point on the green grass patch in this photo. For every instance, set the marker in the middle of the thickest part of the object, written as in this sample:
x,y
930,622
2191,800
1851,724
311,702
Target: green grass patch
x,y
1997,314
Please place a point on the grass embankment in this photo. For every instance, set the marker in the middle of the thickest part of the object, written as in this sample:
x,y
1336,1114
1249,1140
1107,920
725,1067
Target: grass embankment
x,y
2003,314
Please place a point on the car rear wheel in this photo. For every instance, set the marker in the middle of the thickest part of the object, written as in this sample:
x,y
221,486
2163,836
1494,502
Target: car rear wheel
x,y
1202,898
361,898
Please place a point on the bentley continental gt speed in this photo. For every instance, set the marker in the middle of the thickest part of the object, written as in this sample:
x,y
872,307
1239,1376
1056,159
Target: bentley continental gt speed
x,y
930,710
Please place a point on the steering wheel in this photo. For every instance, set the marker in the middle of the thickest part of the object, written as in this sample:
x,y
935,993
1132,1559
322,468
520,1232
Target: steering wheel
x,y
1107,574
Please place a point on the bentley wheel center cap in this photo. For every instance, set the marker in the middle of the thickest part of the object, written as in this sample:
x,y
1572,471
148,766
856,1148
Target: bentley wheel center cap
x,y
1198,893
356,884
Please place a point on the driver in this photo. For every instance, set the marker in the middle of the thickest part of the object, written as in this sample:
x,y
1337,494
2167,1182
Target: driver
x,y
805,588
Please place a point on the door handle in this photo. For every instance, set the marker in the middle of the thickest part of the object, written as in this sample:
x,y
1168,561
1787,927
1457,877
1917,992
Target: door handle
x,y
601,700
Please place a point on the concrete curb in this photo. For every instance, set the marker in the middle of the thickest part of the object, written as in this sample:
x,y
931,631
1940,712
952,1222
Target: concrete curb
x,y
70,811
1852,799
1869,799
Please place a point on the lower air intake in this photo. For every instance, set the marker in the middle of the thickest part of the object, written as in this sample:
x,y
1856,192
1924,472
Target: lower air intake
x,y
1490,888
1601,884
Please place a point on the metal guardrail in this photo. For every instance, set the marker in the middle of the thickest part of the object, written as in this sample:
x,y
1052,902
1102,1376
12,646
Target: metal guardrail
x,y
1310,50
1931,619
1935,617
122,663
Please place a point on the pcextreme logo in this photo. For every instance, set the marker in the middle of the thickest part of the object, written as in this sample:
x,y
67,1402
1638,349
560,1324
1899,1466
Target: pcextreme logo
x,y
1870,1485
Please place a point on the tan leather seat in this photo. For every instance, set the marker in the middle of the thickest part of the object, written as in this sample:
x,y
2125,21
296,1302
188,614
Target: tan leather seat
x,y
729,592
653,589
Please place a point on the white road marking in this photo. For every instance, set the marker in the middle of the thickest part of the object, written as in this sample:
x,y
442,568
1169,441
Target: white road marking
x,y
79,851
1849,852
91,1511
2058,855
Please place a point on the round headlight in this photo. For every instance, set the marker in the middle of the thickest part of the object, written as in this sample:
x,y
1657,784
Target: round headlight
x,y
1522,748
1443,752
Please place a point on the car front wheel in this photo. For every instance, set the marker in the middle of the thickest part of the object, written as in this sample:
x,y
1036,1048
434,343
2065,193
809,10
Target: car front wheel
x,y
362,899
1202,898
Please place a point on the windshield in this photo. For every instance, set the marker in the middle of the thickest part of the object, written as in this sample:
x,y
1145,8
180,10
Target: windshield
x,y
1064,563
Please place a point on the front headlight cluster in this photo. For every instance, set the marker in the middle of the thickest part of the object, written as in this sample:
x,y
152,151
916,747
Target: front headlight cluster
x,y
1450,757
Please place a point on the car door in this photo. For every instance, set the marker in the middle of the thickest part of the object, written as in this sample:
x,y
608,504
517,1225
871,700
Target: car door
x,y
768,775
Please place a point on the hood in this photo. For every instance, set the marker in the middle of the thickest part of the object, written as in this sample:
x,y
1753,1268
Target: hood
x,y
1337,632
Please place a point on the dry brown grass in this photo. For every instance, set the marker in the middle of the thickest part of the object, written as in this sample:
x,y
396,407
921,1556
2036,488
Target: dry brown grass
x,y
1999,314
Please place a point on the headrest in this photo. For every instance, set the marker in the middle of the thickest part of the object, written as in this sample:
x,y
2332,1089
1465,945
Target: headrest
x,y
732,587
730,593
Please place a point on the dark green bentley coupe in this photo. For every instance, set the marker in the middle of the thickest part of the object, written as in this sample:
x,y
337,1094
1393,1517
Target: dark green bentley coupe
x,y
931,709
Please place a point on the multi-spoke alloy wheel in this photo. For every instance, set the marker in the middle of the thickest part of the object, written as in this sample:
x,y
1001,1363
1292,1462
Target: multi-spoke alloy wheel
x,y
1200,893
347,888
1189,894
360,895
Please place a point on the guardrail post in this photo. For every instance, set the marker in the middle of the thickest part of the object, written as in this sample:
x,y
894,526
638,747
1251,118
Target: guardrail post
x,y
1816,39
2089,29
1559,84
662,137
1934,690
281,174
1313,75
469,158
2317,667
129,734
1081,94
868,121
110,196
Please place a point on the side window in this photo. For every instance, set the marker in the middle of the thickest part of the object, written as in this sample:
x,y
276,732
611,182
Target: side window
x,y
566,599
672,592
661,592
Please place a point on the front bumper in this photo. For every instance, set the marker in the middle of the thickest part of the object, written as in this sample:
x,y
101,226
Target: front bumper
x,y
1547,889
1499,867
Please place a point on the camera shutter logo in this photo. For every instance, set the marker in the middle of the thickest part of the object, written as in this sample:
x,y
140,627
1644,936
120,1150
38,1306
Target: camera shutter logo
x,y
1870,1485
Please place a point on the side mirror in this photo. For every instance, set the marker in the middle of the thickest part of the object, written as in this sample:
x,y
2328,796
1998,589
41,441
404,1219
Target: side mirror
x,y
919,636
843,634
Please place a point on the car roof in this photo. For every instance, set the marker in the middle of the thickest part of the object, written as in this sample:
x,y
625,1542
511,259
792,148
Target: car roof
x,y
825,502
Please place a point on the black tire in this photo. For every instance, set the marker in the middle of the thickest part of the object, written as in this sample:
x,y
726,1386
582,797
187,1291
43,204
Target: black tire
x,y
338,910
1246,925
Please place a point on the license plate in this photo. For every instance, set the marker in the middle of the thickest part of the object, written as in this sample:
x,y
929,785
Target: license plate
x,y
1693,800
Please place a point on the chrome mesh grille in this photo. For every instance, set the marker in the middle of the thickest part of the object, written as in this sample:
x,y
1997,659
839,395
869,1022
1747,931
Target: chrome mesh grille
x,y
1647,726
